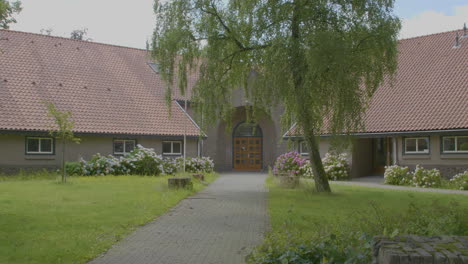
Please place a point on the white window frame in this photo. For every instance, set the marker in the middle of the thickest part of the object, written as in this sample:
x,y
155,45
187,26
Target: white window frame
x,y
417,145
51,152
172,147
456,145
301,148
124,146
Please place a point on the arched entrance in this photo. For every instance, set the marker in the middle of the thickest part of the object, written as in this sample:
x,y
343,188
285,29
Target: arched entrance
x,y
247,147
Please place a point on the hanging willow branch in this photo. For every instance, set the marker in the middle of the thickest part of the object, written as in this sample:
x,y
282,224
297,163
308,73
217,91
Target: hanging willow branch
x,y
320,60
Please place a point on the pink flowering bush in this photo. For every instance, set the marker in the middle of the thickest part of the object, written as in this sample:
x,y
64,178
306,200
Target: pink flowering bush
x,y
290,162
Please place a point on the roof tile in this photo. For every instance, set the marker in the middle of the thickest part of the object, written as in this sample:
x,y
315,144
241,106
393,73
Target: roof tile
x,y
108,89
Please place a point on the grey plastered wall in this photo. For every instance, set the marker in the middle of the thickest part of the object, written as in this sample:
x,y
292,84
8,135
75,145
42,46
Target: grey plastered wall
x,y
13,156
448,164
218,145
359,155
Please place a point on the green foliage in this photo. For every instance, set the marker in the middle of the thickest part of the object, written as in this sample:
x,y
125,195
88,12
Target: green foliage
x,y
336,166
420,177
396,175
426,218
315,58
63,128
460,181
308,225
23,175
74,168
46,222
80,34
331,249
426,178
7,10
143,161
195,164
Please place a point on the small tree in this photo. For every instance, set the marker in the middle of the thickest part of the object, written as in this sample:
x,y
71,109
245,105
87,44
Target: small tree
x,y
63,130
7,10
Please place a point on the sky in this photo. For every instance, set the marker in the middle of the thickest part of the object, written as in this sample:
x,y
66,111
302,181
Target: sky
x,y
130,23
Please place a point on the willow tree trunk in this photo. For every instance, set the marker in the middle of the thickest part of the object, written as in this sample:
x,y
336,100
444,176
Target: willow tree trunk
x,y
298,67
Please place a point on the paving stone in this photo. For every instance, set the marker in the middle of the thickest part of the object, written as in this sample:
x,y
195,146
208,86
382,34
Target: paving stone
x,y
221,224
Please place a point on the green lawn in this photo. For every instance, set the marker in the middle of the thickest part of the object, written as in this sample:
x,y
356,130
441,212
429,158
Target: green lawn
x,y
363,209
44,221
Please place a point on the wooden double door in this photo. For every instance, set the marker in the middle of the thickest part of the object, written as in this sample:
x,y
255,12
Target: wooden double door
x,y
247,153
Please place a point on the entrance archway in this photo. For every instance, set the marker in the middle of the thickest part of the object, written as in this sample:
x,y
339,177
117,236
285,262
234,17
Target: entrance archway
x,y
247,149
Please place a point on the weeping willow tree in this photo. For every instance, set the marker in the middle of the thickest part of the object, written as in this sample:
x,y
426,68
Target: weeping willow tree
x,y
321,60
7,10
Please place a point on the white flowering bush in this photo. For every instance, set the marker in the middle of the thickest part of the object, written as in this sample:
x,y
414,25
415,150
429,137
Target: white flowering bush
x,y
142,161
426,178
169,166
306,170
397,175
460,181
195,165
336,166
102,165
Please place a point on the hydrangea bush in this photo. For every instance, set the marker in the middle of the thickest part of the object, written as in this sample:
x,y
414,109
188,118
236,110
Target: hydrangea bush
x,y
420,177
290,162
102,165
460,180
195,164
142,161
336,166
397,175
306,170
426,178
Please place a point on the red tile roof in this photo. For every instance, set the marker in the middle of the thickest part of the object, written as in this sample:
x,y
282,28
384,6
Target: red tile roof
x,y
109,89
430,89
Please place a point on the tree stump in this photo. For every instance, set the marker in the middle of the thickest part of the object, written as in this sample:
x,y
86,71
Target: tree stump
x,y
180,182
199,176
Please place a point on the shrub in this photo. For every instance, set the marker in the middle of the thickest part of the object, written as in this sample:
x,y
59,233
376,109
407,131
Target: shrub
x,y
331,249
396,175
101,165
73,168
143,161
426,178
460,181
306,170
195,165
290,162
336,166
169,166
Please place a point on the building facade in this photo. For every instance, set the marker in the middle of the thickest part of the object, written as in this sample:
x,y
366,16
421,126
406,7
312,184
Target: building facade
x,y
116,98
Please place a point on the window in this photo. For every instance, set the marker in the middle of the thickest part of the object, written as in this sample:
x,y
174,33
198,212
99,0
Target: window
x,y
154,66
172,147
39,145
303,149
123,146
417,145
456,144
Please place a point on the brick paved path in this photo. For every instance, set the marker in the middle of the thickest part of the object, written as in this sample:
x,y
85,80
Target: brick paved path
x,y
221,224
